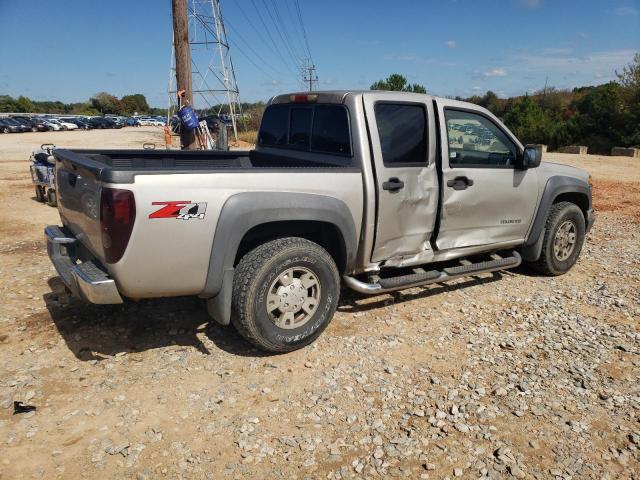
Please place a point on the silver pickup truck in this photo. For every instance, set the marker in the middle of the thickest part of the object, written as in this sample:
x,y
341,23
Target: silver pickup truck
x,y
382,190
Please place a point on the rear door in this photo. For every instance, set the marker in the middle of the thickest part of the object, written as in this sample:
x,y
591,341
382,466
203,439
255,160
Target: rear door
x,y
403,147
485,199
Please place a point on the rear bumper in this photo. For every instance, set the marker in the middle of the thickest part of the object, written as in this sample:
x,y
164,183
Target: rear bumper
x,y
85,279
590,220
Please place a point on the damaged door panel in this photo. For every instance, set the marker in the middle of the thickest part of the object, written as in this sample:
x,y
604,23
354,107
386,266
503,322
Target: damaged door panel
x,y
403,145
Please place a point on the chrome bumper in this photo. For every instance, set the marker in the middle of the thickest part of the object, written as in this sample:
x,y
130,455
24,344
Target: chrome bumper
x,y
85,280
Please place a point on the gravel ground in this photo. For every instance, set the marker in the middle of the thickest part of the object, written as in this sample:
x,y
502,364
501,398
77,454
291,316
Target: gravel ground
x,y
504,375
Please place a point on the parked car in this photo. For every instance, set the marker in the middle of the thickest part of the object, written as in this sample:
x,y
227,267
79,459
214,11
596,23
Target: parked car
x,y
132,122
33,123
7,125
65,123
80,123
54,126
364,187
23,127
103,122
146,121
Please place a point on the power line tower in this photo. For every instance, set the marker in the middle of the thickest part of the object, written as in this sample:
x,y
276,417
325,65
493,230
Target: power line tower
x,y
214,79
308,71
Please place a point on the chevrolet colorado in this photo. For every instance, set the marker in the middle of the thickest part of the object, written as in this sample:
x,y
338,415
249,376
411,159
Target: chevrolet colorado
x,y
384,190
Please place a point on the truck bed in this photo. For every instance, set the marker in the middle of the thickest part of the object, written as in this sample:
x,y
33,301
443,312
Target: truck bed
x,y
121,166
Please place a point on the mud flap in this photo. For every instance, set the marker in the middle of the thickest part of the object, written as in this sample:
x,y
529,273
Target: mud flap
x,y
219,307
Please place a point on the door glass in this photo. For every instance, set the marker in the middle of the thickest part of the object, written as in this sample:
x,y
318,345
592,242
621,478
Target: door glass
x,y
402,129
475,141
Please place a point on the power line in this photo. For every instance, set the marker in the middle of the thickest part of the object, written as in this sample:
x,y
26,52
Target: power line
x,y
284,42
268,32
304,30
248,45
262,38
283,26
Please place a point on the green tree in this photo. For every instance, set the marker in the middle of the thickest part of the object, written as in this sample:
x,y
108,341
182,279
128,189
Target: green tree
x,y
397,83
134,103
106,103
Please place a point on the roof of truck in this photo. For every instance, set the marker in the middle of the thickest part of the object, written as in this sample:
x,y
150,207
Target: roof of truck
x,y
332,96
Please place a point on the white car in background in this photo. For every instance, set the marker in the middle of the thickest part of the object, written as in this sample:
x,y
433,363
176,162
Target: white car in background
x,y
150,122
65,125
55,126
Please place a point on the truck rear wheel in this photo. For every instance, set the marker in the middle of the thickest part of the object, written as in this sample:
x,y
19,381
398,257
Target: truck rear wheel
x,y
285,293
563,239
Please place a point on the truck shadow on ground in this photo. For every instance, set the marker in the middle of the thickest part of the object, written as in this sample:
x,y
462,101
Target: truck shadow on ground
x,y
98,332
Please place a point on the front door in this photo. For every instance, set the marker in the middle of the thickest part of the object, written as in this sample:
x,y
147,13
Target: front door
x,y
485,199
403,145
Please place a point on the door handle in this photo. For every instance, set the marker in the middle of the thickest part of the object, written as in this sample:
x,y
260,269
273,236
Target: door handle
x,y
460,183
393,184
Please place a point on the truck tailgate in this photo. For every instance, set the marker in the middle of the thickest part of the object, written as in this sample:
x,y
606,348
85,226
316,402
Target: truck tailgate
x,y
79,189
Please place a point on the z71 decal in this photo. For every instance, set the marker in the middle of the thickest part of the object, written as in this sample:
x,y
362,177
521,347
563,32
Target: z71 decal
x,y
182,210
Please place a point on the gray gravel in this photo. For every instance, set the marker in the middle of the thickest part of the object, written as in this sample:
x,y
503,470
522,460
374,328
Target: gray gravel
x,y
511,376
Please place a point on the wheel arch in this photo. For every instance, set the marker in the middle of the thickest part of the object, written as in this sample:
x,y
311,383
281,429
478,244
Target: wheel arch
x,y
249,219
558,188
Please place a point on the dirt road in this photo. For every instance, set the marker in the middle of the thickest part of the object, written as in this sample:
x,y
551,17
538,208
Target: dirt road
x,y
508,375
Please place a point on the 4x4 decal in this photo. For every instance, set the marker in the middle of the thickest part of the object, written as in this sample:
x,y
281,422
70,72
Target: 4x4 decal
x,y
180,209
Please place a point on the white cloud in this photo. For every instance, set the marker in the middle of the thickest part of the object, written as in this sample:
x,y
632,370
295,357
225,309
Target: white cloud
x,y
495,72
589,64
627,11
452,44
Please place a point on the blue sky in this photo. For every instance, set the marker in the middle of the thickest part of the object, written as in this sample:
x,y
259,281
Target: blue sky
x,y
69,50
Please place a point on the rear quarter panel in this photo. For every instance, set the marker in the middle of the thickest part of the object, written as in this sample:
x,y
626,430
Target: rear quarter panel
x,y
170,256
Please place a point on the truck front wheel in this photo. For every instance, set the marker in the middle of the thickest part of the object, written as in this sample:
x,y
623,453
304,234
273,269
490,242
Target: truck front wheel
x,y
285,293
563,239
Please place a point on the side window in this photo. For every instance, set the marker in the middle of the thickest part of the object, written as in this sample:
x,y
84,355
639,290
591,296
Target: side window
x,y
475,141
402,129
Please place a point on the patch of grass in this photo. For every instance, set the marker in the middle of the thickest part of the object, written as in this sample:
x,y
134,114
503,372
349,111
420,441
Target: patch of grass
x,y
249,136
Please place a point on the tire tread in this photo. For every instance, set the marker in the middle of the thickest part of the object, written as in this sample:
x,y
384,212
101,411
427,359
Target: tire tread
x,y
244,288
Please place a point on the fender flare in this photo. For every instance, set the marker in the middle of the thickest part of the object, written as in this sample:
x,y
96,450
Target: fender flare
x,y
555,186
244,211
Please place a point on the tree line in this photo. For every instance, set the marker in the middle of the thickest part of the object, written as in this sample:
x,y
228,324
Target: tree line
x,y
100,104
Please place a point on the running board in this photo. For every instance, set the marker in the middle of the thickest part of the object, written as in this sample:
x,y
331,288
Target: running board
x,y
434,276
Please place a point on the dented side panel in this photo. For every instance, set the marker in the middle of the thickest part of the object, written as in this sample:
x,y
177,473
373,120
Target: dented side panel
x,y
406,216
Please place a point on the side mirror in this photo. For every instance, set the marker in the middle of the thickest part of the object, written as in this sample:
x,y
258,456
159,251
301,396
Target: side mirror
x,y
531,157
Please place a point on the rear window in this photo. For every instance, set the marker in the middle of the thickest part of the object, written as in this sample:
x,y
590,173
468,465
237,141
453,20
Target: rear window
x,y
316,128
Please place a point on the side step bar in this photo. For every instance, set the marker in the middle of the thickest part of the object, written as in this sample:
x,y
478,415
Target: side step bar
x,y
434,276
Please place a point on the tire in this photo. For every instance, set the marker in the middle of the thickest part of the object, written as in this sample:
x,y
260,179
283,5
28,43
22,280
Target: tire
x,y
6,130
558,259
40,197
52,199
34,129
262,271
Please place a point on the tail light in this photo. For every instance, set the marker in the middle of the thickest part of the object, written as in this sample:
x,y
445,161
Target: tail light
x,y
303,98
117,215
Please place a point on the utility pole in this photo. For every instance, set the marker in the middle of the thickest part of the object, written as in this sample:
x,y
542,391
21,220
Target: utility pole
x,y
308,74
183,65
